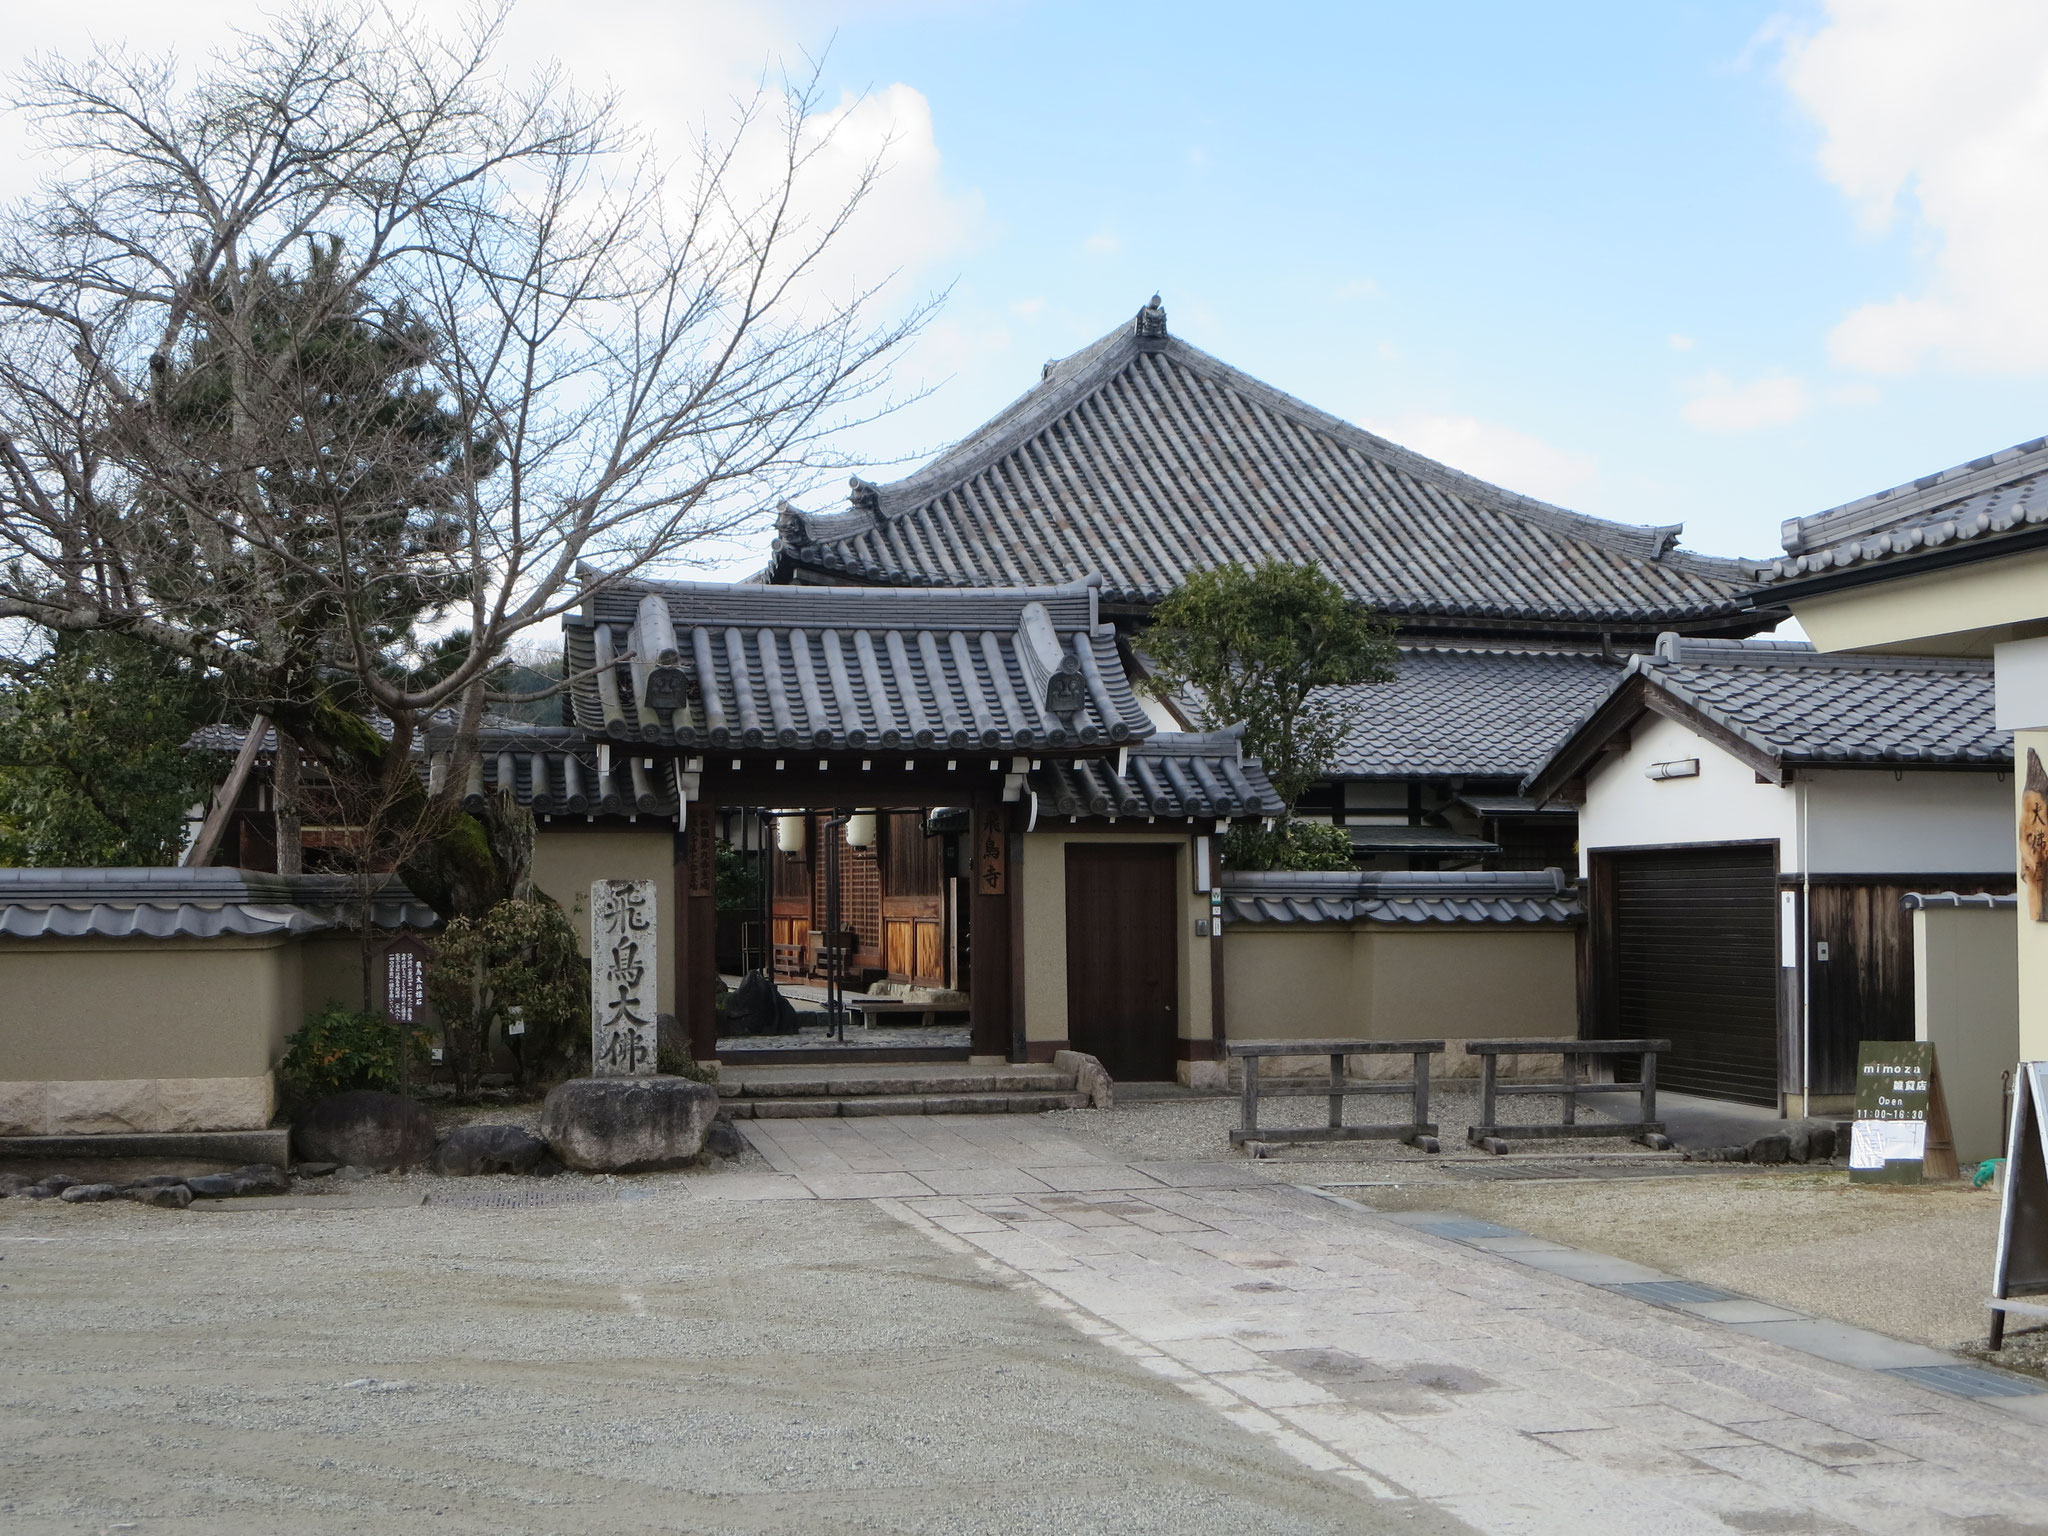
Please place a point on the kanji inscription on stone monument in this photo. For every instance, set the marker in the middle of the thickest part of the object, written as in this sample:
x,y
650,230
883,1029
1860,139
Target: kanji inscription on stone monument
x,y
622,978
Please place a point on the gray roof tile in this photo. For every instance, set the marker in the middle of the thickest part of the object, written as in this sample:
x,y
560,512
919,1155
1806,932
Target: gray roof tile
x,y
853,668
1142,458
1454,896
2001,495
1472,712
188,903
1172,775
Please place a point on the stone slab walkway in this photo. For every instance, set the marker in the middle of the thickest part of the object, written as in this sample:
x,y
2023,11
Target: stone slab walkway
x,y
1520,1386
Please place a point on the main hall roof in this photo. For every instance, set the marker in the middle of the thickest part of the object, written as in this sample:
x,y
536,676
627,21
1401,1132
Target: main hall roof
x,y
1141,458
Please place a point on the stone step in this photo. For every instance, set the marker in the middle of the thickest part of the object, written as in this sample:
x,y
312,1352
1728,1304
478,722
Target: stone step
x,y
824,1085
821,1108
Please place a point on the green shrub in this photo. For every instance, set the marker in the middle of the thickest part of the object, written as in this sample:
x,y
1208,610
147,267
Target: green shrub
x,y
339,1049
523,955
1290,845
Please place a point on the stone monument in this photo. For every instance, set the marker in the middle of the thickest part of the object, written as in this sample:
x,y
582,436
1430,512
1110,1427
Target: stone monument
x,y
622,978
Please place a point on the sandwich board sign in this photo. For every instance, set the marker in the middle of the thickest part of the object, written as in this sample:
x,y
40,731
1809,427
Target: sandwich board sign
x,y
2022,1264
1901,1134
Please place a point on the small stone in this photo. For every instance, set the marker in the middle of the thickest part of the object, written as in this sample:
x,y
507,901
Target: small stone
x,y
473,1149
724,1140
1820,1142
83,1194
12,1184
1770,1149
1656,1141
315,1170
1495,1144
56,1183
169,1197
628,1124
1731,1154
351,1173
367,1129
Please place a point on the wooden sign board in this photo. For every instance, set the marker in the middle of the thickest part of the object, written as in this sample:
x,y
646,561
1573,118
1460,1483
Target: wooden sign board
x,y
405,981
2022,1263
1901,1134
990,858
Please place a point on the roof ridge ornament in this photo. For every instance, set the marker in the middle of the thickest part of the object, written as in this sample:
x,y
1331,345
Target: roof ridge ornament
x,y
865,495
1152,321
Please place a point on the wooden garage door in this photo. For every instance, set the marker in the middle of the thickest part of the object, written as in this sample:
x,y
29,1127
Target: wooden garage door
x,y
1123,964
1695,961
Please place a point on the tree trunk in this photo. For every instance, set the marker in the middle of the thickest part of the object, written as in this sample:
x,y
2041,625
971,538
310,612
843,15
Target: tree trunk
x,y
284,788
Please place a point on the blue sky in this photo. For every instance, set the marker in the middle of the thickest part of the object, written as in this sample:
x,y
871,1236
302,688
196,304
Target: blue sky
x,y
1713,263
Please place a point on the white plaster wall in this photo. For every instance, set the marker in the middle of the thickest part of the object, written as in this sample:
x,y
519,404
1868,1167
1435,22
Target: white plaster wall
x,y
1724,804
1864,821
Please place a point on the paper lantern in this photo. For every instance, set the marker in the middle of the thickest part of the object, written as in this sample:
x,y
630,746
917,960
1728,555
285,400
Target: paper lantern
x,y
860,830
789,832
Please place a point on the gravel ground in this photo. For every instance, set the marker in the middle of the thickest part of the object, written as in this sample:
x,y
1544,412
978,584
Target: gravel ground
x,y
1913,1262
658,1364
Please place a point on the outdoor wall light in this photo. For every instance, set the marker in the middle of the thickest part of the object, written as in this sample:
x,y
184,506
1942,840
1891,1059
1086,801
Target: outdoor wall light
x,y
1683,768
789,831
860,830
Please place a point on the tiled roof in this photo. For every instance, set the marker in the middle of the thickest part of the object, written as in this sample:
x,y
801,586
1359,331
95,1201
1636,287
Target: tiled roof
x,y
2001,496
228,736
1171,775
1141,458
758,667
1473,712
1915,901
1457,896
1783,704
1368,837
188,904
556,771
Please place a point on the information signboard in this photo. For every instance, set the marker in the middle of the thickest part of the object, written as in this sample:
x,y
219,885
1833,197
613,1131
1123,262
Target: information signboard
x,y
1888,1143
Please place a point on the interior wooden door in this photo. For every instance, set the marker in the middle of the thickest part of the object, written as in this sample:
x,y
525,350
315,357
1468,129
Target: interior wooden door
x,y
1123,957
790,916
913,901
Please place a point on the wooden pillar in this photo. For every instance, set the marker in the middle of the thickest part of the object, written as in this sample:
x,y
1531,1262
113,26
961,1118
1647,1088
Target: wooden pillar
x,y
989,994
696,931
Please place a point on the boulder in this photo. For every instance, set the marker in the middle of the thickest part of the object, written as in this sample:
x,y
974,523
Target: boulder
x,y
723,1139
366,1129
169,1197
1771,1149
1820,1143
628,1124
83,1194
12,1184
757,1007
473,1149
256,1179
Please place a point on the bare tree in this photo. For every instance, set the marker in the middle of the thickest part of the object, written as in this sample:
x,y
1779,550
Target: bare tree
x,y
341,341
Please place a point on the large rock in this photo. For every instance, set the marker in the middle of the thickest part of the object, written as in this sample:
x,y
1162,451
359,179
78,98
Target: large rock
x,y
473,1149
757,1007
627,1124
367,1129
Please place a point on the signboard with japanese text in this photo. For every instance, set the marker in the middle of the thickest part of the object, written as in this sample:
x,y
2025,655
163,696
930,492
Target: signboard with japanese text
x,y
989,856
1888,1143
622,978
405,981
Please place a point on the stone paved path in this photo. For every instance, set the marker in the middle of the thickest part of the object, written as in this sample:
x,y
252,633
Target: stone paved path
x,y
1420,1368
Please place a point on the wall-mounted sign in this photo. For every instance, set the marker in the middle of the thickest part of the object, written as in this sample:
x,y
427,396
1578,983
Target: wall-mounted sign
x,y
405,981
2034,838
622,978
989,852
1901,1134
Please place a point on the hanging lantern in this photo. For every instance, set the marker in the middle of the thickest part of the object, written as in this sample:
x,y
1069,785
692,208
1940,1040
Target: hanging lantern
x,y
860,830
789,831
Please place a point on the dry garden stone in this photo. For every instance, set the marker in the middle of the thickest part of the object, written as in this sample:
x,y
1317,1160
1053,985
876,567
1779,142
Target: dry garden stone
x,y
256,1179
628,1124
12,1184
474,1149
169,1197
366,1129
84,1194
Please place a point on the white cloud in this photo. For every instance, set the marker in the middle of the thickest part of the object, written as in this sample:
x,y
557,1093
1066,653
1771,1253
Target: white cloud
x,y
1943,105
1518,461
1719,404
1103,244
1678,343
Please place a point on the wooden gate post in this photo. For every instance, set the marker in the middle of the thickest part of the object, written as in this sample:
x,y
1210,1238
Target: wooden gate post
x,y
989,993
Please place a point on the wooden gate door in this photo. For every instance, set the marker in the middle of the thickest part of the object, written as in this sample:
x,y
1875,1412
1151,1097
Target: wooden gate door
x,y
1123,958
913,899
1694,959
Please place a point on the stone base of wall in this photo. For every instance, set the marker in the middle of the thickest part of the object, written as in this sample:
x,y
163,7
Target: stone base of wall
x,y
152,1104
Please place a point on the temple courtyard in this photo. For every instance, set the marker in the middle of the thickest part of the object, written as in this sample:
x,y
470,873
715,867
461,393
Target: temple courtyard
x,y
1086,1321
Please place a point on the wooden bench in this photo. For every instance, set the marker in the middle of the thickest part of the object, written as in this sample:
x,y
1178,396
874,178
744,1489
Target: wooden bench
x,y
1419,1130
871,1008
1576,1053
